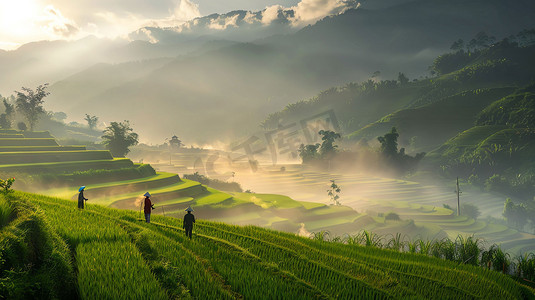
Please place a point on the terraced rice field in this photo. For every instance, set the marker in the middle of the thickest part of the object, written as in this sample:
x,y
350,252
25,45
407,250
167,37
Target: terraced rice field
x,y
411,200
303,208
39,153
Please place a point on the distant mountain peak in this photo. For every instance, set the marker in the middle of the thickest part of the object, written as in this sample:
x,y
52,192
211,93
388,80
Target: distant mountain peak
x,y
241,25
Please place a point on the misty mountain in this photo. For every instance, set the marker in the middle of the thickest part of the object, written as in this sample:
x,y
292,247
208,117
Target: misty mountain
x,y
246,26
49,61
226,91
406,37
242,26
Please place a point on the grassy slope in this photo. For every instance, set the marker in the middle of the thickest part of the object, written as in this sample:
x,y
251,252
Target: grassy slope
x,y
224,261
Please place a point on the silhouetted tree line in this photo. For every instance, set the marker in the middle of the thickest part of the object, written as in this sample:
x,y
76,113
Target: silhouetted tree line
x,y
466,52
390,157
320,152
397,158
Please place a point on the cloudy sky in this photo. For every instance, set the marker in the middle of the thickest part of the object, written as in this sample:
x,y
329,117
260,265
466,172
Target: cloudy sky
x,y
23,21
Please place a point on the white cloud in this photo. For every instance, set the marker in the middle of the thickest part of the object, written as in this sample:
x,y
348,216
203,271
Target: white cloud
x,y
185,11
250,18
221,23
304,13
56,25
146,32
23,21
120,25
271,13
308,11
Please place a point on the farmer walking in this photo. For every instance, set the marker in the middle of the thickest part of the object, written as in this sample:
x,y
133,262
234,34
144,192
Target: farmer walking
x,y
189,219
148,207
81,197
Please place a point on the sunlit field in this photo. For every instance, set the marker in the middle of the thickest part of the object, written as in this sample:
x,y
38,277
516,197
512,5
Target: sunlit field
x,y
117,255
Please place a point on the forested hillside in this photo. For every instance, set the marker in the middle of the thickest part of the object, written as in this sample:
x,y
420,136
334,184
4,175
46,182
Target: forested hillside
x,y
489,86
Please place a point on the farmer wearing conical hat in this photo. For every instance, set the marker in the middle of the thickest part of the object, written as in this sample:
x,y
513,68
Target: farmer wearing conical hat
x,y
81,197
189,219
148,207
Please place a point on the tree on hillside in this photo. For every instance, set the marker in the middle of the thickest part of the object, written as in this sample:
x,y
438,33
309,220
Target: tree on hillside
x,y
9,109
389,143
327,146
30,103
7,117
91,121
118,137
458,45
526,37
22,126
376,74
470,210
4,122
402,79
397,159
515,215
58,116
308,153
481,40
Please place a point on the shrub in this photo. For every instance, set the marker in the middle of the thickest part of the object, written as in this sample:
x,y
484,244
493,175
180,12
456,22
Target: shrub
x,y
5,185
22,126
392,216
470,210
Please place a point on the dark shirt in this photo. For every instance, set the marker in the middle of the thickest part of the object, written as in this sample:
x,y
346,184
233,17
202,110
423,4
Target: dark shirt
x,y
81,197
189,219
148,206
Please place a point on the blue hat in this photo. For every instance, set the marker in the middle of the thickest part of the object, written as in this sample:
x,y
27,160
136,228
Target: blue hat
x,y
147,194
189,209
81,188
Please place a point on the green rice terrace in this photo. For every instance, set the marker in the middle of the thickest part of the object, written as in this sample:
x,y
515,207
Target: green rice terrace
x,y
117,182
51,249
59,170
